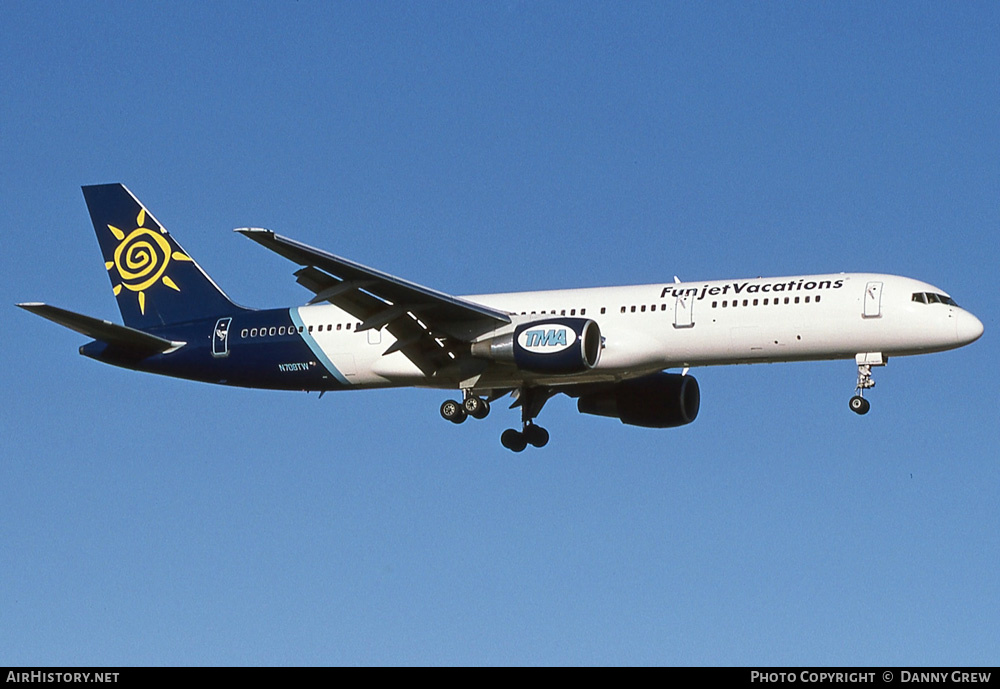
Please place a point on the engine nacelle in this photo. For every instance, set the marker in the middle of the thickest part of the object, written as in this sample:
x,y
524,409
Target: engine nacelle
x,y
662,400
553,345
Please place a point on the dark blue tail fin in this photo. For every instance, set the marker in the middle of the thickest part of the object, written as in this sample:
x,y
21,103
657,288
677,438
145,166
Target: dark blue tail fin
x,y
155,281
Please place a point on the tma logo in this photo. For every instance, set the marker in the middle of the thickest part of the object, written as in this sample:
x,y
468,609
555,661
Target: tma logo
x,y
546,338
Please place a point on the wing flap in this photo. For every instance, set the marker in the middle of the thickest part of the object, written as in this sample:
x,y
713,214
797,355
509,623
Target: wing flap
x,y
412,338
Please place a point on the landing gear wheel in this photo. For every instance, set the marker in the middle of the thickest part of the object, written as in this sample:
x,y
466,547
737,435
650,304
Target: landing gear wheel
x,y
536,435
513,440
476,407
859,405
453,411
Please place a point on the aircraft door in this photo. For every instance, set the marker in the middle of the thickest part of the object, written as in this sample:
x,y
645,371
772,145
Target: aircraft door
x,y
873,300
220,337
683,311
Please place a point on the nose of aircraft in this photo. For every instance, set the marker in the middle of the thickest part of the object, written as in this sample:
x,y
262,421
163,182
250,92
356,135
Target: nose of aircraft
x,y
968,328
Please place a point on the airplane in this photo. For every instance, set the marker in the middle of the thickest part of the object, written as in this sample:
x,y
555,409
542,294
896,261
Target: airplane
x,y
610,348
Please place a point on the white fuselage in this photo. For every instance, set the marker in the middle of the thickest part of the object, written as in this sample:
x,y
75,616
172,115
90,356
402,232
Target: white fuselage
x,y
649,328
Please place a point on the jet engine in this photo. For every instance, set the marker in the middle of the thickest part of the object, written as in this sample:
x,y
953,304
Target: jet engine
x,y
660,400
553,345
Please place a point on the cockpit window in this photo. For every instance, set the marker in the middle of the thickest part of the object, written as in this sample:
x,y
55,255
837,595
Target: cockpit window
x,y
933,298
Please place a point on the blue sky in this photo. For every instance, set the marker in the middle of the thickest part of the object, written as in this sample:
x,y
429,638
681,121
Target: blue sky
x,y
477,147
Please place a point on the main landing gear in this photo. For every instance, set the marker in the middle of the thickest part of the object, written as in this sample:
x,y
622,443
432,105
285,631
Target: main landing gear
x,y
473,406
531,401
516,440
858,404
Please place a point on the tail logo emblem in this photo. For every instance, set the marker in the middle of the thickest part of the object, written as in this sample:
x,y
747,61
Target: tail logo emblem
x,y
141,259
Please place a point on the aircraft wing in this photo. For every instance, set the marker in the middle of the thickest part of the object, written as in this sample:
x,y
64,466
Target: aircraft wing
x,y
451,315
421,319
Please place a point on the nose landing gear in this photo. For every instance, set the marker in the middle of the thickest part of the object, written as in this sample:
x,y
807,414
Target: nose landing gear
x,y
858,404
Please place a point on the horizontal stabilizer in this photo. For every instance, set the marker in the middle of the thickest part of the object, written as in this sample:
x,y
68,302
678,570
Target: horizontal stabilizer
x,y
118,336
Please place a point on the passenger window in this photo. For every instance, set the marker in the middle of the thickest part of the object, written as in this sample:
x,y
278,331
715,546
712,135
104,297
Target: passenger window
x,y
253,332
817,298
272,331
243,333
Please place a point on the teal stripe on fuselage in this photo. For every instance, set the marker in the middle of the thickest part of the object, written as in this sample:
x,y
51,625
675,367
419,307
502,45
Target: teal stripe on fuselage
x,y
314,346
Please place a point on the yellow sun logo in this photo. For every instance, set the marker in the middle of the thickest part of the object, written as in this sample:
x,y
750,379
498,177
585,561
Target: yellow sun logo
x,y
142,258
